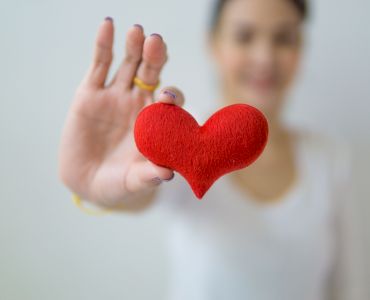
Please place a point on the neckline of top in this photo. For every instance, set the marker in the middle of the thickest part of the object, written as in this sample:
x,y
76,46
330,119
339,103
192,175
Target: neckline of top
x,y
247,198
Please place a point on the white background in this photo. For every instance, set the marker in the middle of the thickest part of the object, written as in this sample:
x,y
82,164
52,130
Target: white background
x,y
51,250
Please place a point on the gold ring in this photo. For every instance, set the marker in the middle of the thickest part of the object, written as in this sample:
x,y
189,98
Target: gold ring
x,y
145,86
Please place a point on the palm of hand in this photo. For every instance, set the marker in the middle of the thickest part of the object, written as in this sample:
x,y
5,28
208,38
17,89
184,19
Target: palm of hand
x,y
98,155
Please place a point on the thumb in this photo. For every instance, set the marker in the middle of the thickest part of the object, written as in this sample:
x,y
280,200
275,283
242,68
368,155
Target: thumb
x,y
145,174
171,95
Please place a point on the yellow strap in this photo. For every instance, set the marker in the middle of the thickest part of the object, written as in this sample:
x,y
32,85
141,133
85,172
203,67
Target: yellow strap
x,y
143,85
78,202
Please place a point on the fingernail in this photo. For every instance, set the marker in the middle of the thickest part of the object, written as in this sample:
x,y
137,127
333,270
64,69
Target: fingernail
x,y
138,25
173,175
169,93
157,180
109,19
157,34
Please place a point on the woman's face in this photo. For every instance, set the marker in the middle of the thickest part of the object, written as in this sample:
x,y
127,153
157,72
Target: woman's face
x,y
257,48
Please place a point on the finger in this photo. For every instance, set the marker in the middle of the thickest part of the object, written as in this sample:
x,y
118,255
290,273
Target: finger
x,y
134,49
103,54
153,59
145,174
171,95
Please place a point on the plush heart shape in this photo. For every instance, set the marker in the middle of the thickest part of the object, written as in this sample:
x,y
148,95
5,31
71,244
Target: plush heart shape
x,y
231,139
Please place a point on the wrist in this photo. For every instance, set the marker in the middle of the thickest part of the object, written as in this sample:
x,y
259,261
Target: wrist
x,y
132,201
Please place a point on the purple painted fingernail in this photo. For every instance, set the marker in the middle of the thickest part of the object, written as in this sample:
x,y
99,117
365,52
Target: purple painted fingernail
x,y
138,25
171,94
157,34
156,180
109,19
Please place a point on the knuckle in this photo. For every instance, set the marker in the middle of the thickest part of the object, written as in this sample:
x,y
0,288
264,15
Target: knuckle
x,y
130,58
103,58
150,67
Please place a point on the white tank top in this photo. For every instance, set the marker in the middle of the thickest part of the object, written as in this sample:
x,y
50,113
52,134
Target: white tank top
x,y
228,246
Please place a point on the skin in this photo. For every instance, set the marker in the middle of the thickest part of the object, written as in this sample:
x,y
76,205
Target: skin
x,y
98,158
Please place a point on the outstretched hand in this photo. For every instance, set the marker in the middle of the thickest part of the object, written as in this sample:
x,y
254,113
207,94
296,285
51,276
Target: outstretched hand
x,y
98,158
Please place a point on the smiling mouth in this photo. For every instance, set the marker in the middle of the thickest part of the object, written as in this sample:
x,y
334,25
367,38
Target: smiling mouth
x,y
261,83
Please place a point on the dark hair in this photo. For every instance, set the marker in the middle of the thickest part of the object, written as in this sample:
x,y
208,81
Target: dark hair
x,y
301,6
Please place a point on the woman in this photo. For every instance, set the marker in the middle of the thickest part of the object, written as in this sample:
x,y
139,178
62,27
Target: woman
x,y
268,231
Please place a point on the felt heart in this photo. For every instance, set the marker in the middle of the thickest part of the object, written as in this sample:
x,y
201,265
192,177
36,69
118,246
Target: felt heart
x,y
231,139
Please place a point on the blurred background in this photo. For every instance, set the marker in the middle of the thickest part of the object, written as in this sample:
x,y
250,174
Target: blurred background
x,y
51,250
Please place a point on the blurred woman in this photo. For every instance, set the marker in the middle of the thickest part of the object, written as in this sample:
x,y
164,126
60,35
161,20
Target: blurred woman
x,y
272,230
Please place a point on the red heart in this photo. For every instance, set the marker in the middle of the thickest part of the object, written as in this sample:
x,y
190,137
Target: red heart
x,y
231,139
